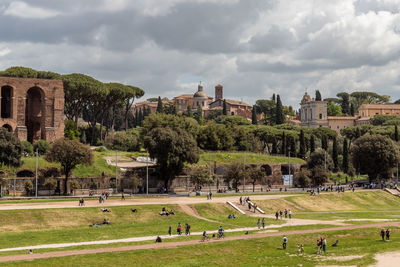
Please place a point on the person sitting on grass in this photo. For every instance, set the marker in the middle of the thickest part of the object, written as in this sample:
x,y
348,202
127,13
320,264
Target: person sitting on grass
x,y
300,249
134,210
106,221
220,232
105,210
158,239
171,212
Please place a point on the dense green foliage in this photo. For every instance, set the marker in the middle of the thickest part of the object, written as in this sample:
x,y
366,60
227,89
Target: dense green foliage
x,y
10,149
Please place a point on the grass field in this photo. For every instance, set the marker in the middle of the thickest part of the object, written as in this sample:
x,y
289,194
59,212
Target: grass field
x,y
46,226
251,158
253,252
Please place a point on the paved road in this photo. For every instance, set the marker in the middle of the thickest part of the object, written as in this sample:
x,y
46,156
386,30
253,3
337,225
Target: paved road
x,y
184,243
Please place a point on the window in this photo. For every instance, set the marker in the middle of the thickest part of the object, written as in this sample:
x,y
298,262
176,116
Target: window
x,y
320,116
338,126
202,103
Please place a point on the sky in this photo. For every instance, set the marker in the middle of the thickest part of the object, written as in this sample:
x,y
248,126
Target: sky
x,y
254,48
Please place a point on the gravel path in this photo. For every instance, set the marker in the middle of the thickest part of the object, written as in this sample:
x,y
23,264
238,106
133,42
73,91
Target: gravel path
x,y
183,243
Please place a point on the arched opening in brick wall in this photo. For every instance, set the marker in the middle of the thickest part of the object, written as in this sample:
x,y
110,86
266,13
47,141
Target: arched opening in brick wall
x,y
25,173
6,101
285,170
35,114
267,169
8,127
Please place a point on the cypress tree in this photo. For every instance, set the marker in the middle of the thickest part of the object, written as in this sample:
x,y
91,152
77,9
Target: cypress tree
x,y
345,104
199,114
273,97
283,144
140,117
159,106
224,109
345,163
396,133
288,143
302,151
324,142
189,111
352,109
136,120
318,96
274,147
279,119
358,132
293,147
335,153
254,116
312,144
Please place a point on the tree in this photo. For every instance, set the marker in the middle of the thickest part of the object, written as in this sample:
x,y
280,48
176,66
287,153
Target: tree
x,y
352,109
324,142
283,144
170,108
199,114
267,107
224,108
274,147
335,154
396,133
199,176
27,148
189,111
279,111
235,173
293,152
69,153
50,184
312,144
318,96
159,106
333,109
302,150
303,178
375,155
319,158
28,187
172,149
345,102
41,146
345,163
257,175
319,176
254,116
123,141
10,149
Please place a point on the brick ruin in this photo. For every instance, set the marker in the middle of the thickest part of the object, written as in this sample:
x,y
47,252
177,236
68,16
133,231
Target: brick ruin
x,y
32,109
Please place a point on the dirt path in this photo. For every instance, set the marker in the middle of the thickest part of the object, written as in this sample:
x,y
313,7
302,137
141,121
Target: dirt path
x,y
184,243
136,201
193,212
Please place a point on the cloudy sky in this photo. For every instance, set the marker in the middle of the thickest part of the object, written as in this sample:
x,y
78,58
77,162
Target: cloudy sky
x,y
253,47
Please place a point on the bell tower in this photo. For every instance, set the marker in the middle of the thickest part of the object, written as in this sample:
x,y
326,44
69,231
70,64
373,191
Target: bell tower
x,y
219,92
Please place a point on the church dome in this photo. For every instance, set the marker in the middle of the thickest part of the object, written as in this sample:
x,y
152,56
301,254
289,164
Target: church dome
x,y
200,93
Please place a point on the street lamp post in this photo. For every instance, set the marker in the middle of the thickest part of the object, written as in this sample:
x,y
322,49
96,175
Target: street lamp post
x,y
116,171
209,184
147,174
36,174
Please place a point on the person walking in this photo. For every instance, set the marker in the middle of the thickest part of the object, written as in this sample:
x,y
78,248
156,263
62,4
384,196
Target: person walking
x,y
240,200
122,196
387,234
210,195
319,245
188,230
290,214
280,214
324,245
276,215
259,224
249,206
179,229
286,213
255,208
383,234
170,230
285,240
263,223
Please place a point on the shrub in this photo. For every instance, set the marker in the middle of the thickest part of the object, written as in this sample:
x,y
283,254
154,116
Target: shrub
x,y
27,148
74,184
41,146
122,141
28,187
101,149
71,130
50,183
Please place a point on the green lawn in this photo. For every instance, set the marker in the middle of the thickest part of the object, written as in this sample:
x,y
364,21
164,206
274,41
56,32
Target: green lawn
x,y
251,158
364,243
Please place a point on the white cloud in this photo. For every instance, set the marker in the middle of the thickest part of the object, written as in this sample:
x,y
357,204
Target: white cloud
x,y
23,10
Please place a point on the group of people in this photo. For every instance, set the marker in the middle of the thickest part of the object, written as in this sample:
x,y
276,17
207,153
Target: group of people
x,y
250,204
179,229
220,234
285,212
165,212
231,216
321,244
261,222
385,233
209,195
103,197
221,190
81,202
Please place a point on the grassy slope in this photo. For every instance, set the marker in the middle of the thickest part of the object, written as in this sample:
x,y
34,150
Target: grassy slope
x,y
251,158
253,252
